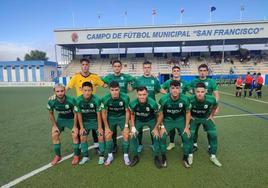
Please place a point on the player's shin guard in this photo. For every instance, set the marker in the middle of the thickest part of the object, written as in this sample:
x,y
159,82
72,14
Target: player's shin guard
x,y
76,149
57,149
84,148
213,141
134,142
125,146
101,148
163,144
109,146
186,144
140,137
172,136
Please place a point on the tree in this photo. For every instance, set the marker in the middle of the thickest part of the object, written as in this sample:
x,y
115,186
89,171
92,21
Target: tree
x,y
18,59
36,55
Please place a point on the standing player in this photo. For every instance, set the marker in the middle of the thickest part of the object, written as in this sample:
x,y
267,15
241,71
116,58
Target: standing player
x,y
211,89
124,81
153,87
143,113
239,86
203,110
176,71
259,82
85,76
88,109
253,84
116,113
174,114
64,106
248,82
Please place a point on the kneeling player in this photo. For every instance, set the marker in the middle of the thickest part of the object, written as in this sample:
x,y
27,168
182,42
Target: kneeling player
x,y
203,109
143,113
116,113
175,114
64,106
88,109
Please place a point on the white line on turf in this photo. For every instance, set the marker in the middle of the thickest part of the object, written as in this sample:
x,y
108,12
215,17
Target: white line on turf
x,y
34,172
260,101
43,168
240,115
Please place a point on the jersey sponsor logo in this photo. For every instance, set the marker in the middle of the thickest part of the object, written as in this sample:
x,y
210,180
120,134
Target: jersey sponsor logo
x,y
205,106
67,106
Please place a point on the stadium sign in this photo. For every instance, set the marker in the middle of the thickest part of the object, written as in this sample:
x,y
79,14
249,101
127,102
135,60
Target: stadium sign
x,y
164,33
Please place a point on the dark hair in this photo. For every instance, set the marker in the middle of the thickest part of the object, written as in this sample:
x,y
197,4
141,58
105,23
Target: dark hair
x,y
113,84
248,72
116,61
84,59
141,88
147,63
200,84
203,66
176,67
87,84
175,83
259,74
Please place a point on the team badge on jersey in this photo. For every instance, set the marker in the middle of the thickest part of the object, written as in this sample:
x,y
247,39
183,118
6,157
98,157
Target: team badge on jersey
x,y
67,106
206,83
75,108
122,78
180,105
120,103
205,106
152,81
147,109
91,105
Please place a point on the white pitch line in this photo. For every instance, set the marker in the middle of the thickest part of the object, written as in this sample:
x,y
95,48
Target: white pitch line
x,y
260,101
34,172
43,168
240,115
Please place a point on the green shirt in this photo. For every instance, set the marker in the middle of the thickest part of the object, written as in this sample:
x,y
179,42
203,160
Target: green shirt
x,y
174,109
202,109
151,83
122,79
166,85
88,108
116,107
64,109
144,112
211,85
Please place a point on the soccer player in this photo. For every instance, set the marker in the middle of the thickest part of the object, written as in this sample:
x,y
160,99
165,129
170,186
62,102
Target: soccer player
x,y
153,87
64,106
248,82
203,110
176,71
174,114
85,76
239,86
124,81
88,108
143,113
259,82
116,113
253,84
211,89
